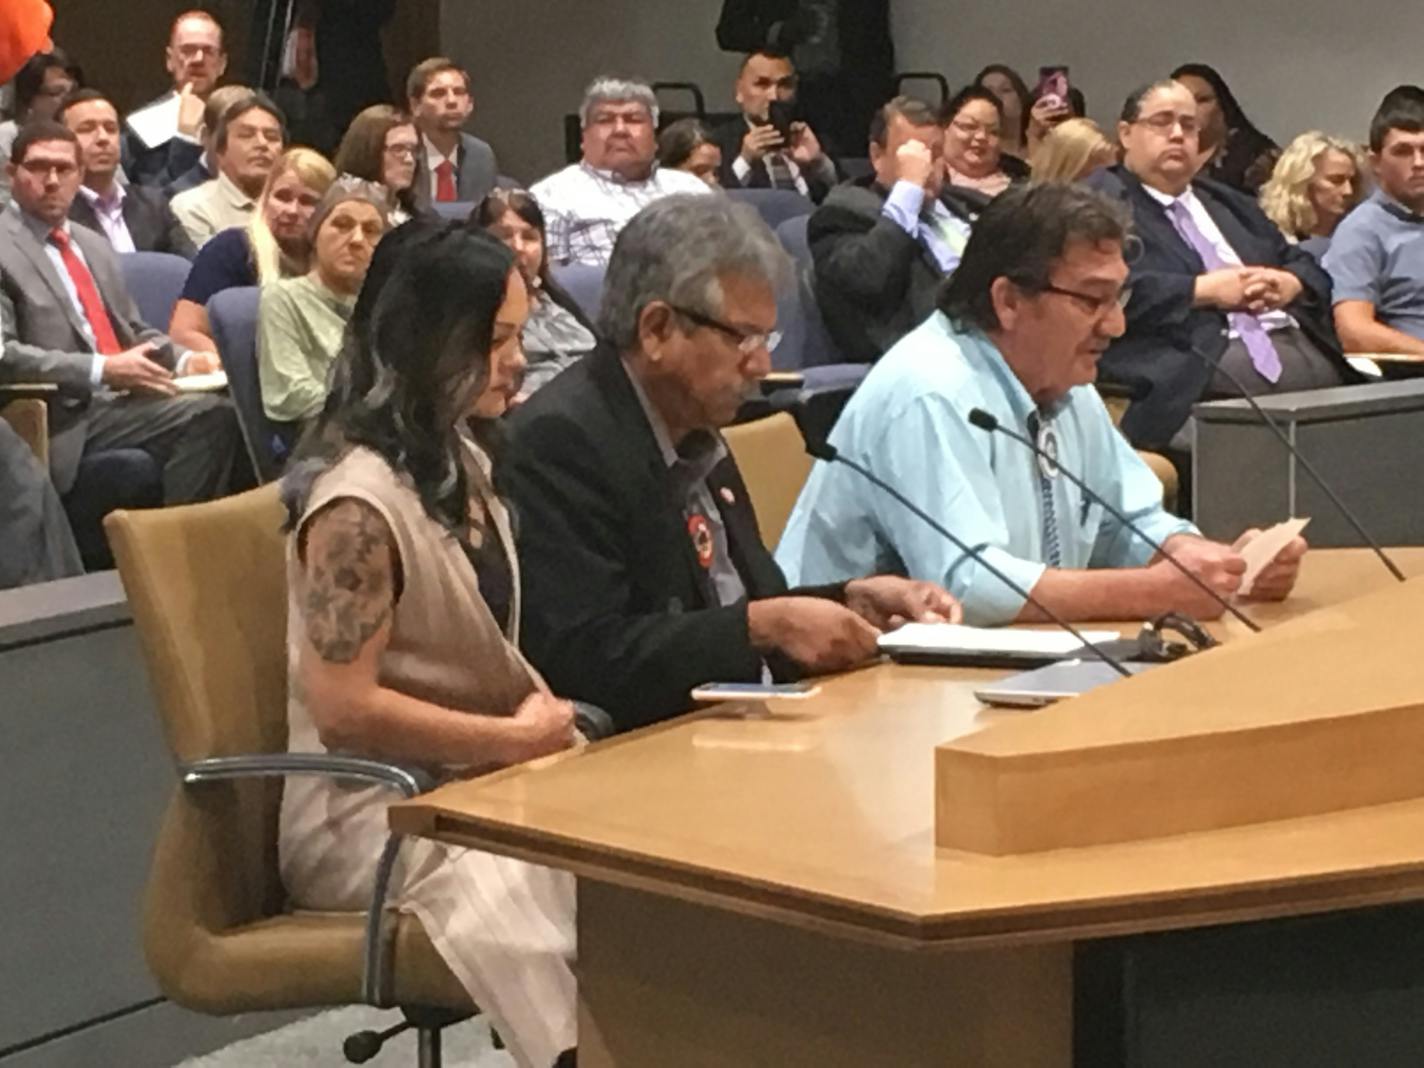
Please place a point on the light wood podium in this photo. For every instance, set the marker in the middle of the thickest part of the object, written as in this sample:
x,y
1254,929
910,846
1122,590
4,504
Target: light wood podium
x,y
795,887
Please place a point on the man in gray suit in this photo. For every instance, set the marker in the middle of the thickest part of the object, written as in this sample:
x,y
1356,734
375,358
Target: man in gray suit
x,y
67,319
450,165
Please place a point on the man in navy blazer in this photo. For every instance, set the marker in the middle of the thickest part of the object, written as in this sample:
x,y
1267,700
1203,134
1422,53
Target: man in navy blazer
x,y
1217,292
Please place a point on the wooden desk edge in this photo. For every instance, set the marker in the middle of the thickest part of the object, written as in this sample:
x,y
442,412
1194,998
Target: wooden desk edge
x,y
1268,899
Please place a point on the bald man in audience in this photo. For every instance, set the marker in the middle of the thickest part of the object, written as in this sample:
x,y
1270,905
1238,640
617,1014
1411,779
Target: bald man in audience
x,y
161,138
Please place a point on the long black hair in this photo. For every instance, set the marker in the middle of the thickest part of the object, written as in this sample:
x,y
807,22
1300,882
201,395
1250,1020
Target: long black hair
x,y
415,357
1231,110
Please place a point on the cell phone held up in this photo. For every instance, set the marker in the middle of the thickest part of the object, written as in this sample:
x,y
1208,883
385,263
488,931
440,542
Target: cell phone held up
x,y
781,115
1052,85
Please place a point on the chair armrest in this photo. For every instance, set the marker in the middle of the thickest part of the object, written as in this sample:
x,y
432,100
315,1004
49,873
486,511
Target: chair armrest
x,y
407,781
28,390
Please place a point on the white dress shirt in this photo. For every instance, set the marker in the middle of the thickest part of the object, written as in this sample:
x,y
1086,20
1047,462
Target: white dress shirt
x,y
110,213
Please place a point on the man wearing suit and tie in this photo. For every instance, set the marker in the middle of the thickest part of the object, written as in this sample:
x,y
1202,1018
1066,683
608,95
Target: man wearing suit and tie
x,y
68,320
134,219
755,155
450,165
1214,286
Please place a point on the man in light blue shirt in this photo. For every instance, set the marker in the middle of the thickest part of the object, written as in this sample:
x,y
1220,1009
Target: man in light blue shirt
x,y
1035,300
1376,258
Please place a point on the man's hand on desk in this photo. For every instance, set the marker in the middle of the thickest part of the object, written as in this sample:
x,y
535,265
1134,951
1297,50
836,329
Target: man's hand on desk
x,y
888,601
817,634
1276,579
1219,566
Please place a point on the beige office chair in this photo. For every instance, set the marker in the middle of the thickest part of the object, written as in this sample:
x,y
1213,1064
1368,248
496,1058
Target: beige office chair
x,y
207,587
1166,471
26,409
774,465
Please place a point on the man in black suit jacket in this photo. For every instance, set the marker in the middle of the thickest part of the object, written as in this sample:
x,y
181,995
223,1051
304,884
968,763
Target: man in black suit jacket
x,y
881,246
644,571
842,48
134,219
1191,312
755,155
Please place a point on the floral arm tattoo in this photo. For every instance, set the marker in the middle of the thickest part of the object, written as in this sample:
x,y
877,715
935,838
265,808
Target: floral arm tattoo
x,y
348,595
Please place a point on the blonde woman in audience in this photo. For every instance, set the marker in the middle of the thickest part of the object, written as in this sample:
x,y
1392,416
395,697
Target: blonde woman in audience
x,y
1317,182
973,123
275,244
404,620
1071,151
301,321
380,146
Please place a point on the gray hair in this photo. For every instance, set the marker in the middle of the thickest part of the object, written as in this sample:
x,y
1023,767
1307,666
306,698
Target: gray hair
x,y
606,90
675,249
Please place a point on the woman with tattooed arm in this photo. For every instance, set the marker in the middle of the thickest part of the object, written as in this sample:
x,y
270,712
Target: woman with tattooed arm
x,y
403,621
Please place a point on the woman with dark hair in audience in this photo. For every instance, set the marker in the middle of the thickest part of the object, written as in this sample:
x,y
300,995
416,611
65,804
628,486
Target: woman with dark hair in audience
x,y
687,145
1233,150
40,87
275,244
1317,182
403,626
301,321
558,333
973,122
380,146
1015,104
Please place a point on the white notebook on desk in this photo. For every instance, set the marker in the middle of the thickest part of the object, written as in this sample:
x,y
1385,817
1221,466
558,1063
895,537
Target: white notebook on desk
x,y
952,643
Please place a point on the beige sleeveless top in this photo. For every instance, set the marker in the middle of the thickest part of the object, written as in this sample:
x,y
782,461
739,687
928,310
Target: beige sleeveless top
x,y
445,645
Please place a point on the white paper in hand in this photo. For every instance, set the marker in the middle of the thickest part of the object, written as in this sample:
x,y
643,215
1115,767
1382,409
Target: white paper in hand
x,y
1263,548
208,383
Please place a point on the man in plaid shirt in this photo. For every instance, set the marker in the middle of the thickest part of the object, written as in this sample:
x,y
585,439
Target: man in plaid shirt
x,y
588,203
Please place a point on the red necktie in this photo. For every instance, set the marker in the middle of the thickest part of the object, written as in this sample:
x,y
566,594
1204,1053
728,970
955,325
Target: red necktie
x,y
445,182
105,339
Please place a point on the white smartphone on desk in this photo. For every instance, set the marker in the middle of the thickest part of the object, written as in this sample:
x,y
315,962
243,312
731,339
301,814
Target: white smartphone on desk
x,y
754,691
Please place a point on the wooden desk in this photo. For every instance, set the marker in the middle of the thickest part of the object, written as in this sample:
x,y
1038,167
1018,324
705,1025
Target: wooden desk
x,y
766,889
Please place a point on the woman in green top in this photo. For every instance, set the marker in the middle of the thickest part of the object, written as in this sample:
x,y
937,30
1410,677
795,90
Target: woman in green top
x,y
301,321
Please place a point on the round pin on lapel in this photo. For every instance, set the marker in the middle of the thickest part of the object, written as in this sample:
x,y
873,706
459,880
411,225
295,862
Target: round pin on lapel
x,y
727,495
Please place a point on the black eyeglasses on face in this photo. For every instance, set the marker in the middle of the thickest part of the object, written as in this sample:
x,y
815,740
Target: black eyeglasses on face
x,y
1097,305
748,342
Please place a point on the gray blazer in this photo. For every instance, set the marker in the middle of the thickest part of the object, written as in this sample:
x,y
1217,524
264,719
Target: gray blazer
x,y
43,334
476,178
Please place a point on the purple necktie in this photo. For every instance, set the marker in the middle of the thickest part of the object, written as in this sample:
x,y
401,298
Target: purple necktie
x,y
1254,336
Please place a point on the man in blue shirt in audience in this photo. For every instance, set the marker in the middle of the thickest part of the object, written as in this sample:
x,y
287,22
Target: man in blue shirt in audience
x,y
1376,258
1019,331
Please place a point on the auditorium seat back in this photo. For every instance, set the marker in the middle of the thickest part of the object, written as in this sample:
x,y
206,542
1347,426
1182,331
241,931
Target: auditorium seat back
x,y
774,205
233,315
154,280
583,282
816,346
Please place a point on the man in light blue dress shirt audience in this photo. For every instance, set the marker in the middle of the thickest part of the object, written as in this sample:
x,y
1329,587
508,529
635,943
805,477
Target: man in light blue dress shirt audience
x,y
1021,325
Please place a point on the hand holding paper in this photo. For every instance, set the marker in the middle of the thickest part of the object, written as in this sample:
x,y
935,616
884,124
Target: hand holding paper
x,y
1272,560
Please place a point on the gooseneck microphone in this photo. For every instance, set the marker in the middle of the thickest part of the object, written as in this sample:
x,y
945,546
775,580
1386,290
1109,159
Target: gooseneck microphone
x,y
824,450
1305,464
988,422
